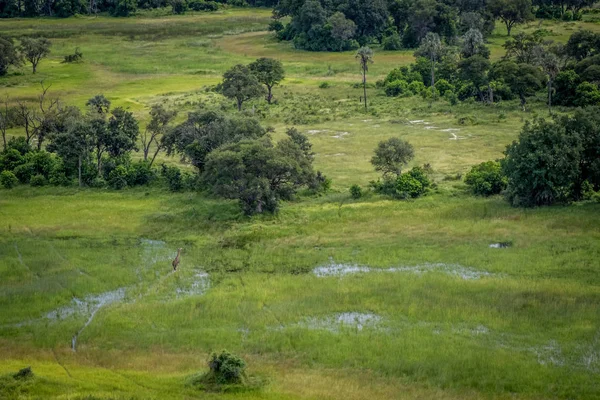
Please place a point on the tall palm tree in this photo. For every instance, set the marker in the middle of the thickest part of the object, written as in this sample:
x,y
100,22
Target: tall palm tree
x,y
365,57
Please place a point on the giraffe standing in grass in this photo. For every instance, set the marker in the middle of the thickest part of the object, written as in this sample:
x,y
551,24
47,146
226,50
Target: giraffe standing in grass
x,y
177,260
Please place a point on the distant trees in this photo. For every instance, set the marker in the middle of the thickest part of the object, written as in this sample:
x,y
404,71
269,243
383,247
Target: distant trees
x,y
8,55
269,72
34,50
511,12
364,55
431,48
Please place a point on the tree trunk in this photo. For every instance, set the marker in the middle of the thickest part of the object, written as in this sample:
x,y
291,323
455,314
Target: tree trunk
x,y
34,67
79,170
523,101
154,156
239,104
432,73
508,27
365,86
490,94
270,94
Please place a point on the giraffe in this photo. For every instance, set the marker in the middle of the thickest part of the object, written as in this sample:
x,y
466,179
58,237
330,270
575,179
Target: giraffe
x,y
176,260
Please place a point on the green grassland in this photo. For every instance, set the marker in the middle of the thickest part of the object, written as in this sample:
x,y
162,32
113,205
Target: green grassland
x,y
456,319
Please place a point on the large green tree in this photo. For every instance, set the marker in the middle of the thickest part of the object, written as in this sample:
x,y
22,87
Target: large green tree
x,y
522,79
241,84
364,55
269,72
431,48
392,155
8,55
159,125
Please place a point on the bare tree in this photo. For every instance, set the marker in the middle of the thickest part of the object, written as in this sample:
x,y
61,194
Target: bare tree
x,y
158,126
365,57
40,120
4,120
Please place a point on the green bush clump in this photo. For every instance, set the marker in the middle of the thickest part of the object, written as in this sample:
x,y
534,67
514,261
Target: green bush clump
x,y
412,184
392,42
397,88
486,179
8,180
443,86
356,192
38,180
117,179
173,177
324,85
416,87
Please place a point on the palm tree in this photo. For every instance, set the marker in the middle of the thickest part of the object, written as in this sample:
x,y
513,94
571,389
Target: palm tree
x,y
365,57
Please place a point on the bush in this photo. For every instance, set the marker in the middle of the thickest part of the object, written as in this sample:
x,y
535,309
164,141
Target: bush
x,y
199,5
8,180
392,42
10,159
140,173
411,184
38,180
443,86
117,179
98,183
73,58
587,94
324,85
356,192
416,87
179,6
24,172
486,179
173,177
451,97
397,88
124,8
226,368
275,26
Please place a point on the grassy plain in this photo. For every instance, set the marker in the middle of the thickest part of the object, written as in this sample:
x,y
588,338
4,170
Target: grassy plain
x,y
455,320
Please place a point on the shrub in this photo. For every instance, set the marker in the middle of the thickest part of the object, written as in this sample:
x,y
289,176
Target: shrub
x,y
140,173
98,183
416,87
179,6
587,94
392,42
486,179
451,97
124,8
356,192
275,26
24,172
8,180
324,85
407,187
411,184
226,368
173,177
443,86
117,179
199,5
10,159
73,58
38,180
397,88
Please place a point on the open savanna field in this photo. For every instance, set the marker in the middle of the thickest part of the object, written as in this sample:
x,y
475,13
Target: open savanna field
x,y
332,298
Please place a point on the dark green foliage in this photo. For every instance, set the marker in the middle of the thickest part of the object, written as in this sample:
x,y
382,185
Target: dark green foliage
x,y
173,177
204,131
444,86
275,26
117,178
258,173
140,173
552,159
392,42
75,57
38,180
10,159
8,55
200,5
179,6
123,131
587,94
583,44
397,88
19,144
227,368
486,178
124,8
411,184
8,180
356,192
23,374
68,8
565,85
391,155
522,79
511,12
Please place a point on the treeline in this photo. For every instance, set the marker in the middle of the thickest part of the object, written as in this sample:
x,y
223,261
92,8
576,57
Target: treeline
x,y
120,8
234,156
348,24
569,74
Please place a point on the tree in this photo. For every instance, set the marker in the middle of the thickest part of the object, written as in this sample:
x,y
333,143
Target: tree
x,y
160,118
511,12
473,44
523,79
98,105
522,46
391,155
204,131
431,47
365,57
582,44
551,66
123,131
241,84
269,72
542,165
475,70
486,179
6,120
257,173
8,55
34,50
